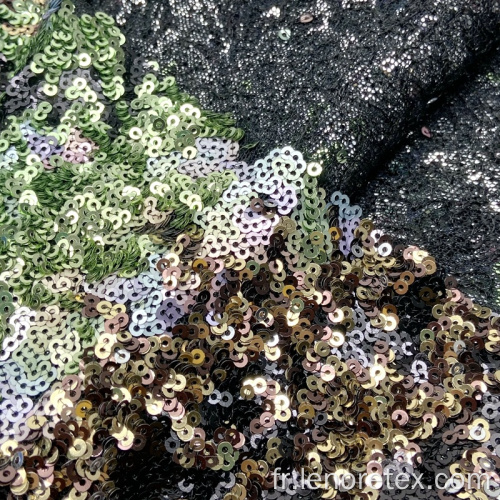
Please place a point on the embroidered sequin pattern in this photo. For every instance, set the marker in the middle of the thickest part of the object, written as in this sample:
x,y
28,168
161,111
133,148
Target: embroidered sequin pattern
x,y
162,298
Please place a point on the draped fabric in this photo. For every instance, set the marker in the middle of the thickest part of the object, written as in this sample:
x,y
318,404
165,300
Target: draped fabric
x,y
353,82
193,306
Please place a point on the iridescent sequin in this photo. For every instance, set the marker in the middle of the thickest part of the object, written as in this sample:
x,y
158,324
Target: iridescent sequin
x,y
151,280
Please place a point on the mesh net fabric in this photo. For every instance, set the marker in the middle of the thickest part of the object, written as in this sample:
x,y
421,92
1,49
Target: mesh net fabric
x,y
345,81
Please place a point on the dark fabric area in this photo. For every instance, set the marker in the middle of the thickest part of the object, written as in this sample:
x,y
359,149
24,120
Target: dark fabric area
x,y
442,192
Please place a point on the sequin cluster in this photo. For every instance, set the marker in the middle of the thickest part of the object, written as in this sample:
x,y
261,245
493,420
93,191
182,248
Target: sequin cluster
x,y
20,20
160,296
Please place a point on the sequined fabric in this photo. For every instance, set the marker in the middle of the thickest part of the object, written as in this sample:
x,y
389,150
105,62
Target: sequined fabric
x,y
443,192
178,322
348,81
